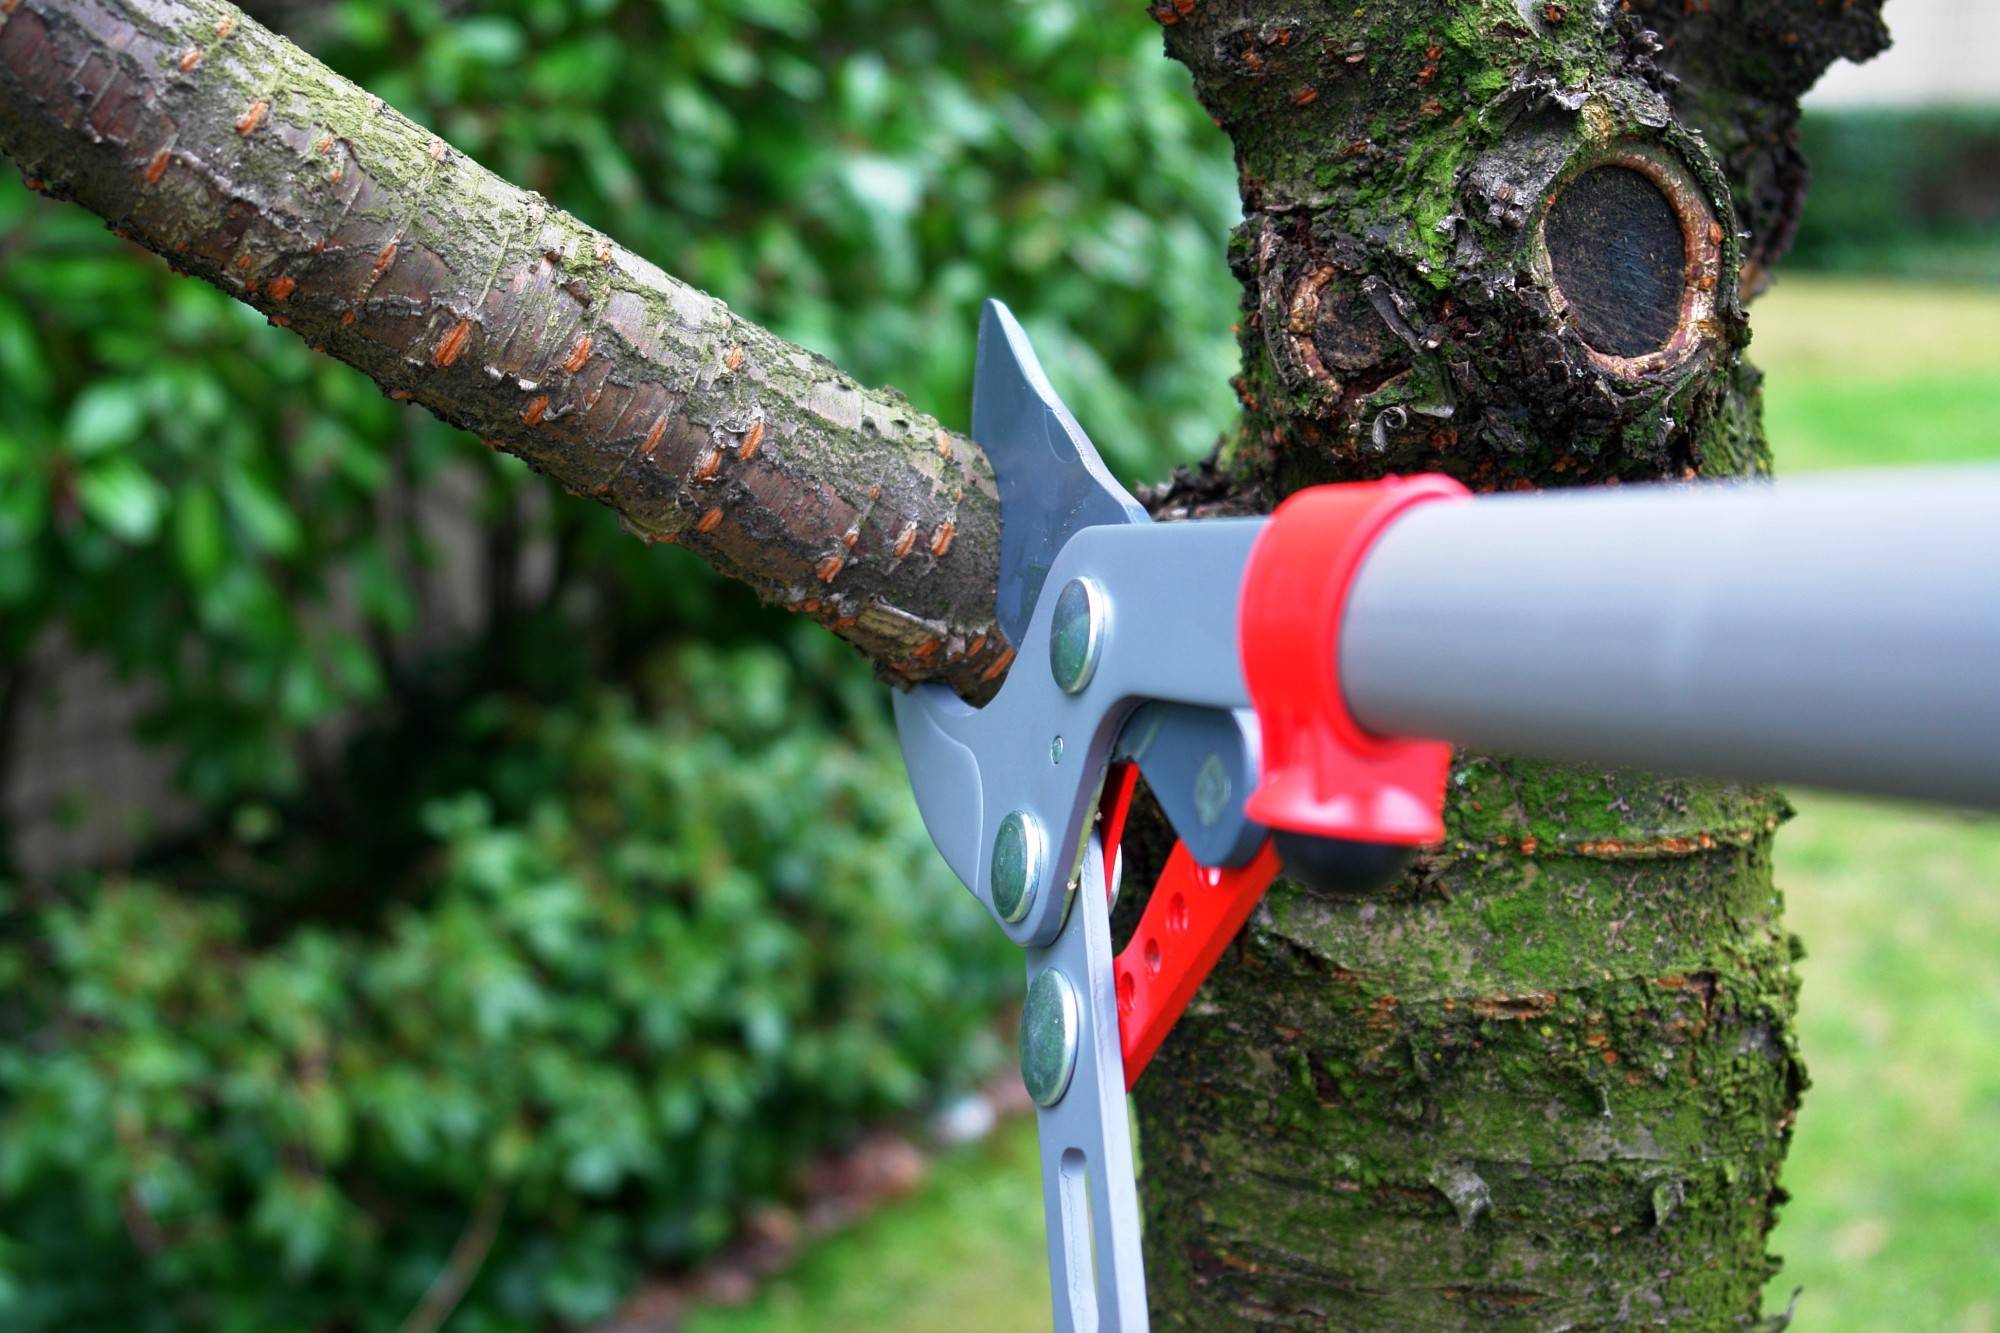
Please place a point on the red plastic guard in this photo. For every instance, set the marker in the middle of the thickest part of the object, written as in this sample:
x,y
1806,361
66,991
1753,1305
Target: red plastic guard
x,y
1322,774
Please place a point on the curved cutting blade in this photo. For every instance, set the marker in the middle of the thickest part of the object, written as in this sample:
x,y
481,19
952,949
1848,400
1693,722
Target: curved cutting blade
x,y
1052,483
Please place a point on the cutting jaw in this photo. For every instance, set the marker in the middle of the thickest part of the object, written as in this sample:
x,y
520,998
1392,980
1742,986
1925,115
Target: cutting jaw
x,y
1017,780
1131,644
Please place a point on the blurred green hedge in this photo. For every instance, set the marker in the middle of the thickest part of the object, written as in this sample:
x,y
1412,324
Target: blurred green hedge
x,y
1907,192
686,936
597,916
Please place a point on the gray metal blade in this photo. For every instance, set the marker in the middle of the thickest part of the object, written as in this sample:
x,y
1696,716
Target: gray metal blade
x,y
1052,483
1170,591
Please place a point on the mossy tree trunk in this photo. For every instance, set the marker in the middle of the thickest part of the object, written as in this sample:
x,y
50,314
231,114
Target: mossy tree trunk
x,y
1547,1080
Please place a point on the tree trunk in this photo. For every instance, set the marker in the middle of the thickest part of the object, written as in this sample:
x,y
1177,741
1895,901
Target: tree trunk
x,y
1546,1081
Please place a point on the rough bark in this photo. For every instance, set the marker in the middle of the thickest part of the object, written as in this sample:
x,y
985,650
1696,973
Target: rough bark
x,y
1547,1080
211,141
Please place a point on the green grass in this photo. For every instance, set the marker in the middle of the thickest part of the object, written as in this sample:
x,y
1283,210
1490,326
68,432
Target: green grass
x,y
963,1254
1871,374
1895,1170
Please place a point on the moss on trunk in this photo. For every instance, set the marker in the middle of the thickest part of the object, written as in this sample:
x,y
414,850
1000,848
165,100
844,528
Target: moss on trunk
x,y
1545,1081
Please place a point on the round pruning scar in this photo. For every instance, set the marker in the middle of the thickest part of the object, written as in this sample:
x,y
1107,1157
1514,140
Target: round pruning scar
x,y
1632,254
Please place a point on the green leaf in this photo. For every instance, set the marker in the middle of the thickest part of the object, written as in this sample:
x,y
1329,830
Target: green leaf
x,y
383,592
886,184
21,358
487,40
119,495
198,532
105,416
265,518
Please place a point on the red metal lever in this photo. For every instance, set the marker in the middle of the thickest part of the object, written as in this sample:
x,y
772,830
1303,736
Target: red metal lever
x,y
1194,913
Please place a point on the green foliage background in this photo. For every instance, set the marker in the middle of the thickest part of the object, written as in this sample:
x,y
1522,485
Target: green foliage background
x,y
603,918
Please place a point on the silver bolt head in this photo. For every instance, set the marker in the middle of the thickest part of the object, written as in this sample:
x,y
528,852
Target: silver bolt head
x,y
1015,874
1076,639
1050,1025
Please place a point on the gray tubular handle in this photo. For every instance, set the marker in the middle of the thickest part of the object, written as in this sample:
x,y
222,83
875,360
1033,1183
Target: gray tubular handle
x,y
1840,632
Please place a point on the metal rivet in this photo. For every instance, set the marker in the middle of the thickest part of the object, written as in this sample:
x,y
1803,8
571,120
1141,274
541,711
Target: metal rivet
x,y
1055,750
1050,1021
1077,636
1016,870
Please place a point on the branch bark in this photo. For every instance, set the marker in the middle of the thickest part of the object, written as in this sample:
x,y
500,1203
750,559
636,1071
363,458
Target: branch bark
x,y
213,142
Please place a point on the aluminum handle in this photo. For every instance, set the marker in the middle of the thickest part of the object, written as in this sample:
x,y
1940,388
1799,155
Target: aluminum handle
x,y
1840,632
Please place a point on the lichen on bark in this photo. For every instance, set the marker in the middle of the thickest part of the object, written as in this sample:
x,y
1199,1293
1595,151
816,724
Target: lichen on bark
x,y
1547,1079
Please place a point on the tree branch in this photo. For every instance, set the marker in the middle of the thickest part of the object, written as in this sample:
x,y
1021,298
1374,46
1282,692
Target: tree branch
x,y
221,146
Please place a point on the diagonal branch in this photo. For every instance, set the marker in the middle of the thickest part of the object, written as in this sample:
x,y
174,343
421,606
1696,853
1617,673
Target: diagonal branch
x,y
219,145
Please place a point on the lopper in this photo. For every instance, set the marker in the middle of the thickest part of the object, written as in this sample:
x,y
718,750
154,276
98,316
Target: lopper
x,y
1291,688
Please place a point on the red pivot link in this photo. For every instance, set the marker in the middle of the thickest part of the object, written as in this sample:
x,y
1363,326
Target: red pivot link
x,y
1119,784
1194,913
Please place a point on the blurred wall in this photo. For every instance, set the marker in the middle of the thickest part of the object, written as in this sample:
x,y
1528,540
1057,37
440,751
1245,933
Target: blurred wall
x,y
1946,51
88,787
